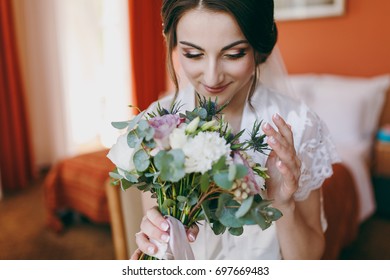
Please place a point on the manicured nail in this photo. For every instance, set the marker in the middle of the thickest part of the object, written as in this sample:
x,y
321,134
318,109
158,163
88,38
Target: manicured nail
x,y
272,140
164,226
151,250
191,237
277,116
267,126
165,237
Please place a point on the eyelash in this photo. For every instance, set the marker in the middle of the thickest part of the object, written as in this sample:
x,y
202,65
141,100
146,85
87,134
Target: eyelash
x,y
238,55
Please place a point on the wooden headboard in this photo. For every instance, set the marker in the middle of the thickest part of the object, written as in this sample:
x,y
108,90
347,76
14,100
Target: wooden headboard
x,y
385,117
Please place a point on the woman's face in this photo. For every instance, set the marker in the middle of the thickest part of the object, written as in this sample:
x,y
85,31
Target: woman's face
x,y
215,55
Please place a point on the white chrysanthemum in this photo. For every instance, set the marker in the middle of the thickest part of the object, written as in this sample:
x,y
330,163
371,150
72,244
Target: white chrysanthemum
x,y
203,150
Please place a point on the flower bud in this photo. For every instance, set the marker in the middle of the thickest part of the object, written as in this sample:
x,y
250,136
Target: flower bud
x,y
192,126
208,125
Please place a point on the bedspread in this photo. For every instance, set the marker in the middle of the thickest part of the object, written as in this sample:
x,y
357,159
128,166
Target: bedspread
x,y
341,205
78,184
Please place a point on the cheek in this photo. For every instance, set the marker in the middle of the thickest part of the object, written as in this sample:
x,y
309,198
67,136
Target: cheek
x,y
190,68
241,69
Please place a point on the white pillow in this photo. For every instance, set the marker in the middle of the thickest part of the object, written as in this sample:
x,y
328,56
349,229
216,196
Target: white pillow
x,y
350,107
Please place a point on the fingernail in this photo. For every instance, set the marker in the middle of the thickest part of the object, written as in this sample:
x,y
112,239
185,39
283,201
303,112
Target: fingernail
x,y
191,237
165,237
267,126
151,250
277,116
164,226
272,140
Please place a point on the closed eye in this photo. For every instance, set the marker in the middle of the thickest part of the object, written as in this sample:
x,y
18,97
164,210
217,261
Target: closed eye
x,y
192,55
237,55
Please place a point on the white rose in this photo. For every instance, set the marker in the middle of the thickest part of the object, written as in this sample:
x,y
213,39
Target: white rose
x,y
178,138
122,155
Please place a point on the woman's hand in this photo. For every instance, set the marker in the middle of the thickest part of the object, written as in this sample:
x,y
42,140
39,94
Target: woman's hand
x,y
154,226
284,167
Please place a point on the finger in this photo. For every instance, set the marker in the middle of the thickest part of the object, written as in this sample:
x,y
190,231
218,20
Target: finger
x,y
290,178
192,233
135,256
284,128
271,132
144,244
152,231
157,219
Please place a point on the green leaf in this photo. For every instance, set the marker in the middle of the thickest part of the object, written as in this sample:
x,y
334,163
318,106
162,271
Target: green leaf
x,y
168,203
204,182
273,214
232,172
245,206
259,219
222,180
218,228
141,160
131,177
115,175
219,165
170,164
135,121
227,207
125,184
236,231
182,198
241,171
120,125
133,140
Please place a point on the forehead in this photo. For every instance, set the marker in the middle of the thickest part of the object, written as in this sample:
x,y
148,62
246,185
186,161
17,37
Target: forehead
x,y
204,27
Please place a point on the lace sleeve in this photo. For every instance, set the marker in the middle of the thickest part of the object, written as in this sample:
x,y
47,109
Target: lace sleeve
x,y
317,154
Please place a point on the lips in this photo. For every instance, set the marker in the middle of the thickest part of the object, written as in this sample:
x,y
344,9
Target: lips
x,y
216,89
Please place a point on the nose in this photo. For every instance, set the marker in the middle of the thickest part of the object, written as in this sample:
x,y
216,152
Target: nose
x,y
213,73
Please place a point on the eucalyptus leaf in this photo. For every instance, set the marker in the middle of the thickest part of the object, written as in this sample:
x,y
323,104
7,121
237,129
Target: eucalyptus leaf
x,y
218,228
245,206
232,172
115,175
135,121
236,231
125,184
168,203
133,140
120,125
222,180
259,219
141,160
170,164
273,213
241,171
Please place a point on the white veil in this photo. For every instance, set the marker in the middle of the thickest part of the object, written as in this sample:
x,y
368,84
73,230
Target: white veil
x,y
273,74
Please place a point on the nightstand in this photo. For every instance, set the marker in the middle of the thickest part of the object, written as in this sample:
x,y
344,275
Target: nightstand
x,y
381,177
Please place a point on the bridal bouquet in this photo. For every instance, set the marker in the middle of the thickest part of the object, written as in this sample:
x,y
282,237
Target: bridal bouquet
x,y
195,167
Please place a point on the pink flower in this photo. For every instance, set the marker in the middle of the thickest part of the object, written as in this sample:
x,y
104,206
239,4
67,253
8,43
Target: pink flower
x,y
163,126
253,180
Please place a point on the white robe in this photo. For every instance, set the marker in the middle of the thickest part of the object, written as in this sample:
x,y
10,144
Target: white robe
x,y
314,148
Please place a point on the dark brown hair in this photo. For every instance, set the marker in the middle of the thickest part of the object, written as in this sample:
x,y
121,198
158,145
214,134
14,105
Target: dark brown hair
x,y
254,17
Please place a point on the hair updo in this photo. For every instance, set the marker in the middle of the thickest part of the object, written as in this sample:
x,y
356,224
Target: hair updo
x,y
254,17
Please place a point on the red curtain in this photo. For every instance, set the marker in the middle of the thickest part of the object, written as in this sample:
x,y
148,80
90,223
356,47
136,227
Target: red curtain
x,y
147,51
16,160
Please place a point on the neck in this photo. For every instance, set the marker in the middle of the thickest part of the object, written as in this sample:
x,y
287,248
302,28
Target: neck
x,y
233,112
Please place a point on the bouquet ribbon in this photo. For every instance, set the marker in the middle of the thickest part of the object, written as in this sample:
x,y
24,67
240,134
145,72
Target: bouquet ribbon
x,y
178,247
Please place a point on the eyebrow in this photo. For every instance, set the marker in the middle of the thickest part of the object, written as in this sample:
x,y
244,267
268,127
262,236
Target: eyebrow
x,y
223,49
